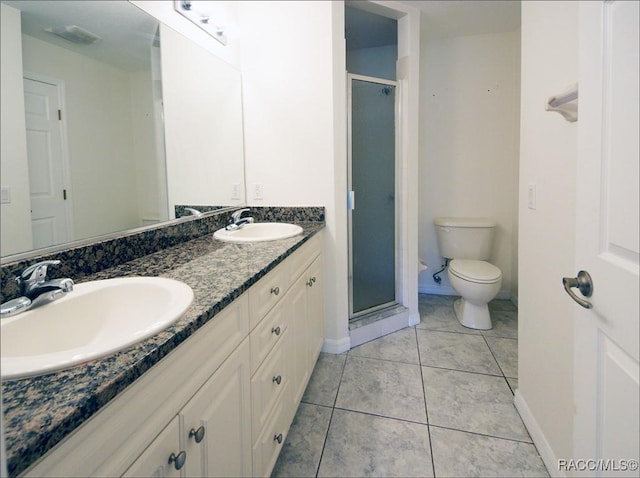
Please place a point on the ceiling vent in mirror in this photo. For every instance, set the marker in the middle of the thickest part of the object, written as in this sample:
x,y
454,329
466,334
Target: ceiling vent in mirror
x,y
75,34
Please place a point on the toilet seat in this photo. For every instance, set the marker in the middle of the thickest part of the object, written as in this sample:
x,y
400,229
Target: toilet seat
x,y
480,272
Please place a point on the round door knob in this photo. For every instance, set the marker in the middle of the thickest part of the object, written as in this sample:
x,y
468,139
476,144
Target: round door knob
x,y
277,379
178,460
197,435
275,290
278,438
276,330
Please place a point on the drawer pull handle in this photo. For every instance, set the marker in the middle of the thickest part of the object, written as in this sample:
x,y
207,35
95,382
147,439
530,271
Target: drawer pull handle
x,y
178,460
278,438
276,330
277,379
275,290
197,435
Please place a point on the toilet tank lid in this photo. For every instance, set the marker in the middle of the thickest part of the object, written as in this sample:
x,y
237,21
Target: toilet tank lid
x,y
464,222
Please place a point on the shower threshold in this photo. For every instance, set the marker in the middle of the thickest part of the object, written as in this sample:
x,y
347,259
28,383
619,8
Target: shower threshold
x,y
377,324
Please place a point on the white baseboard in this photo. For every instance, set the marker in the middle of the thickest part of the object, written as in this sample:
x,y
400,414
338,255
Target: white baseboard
x,y
540,441
336,346
414,318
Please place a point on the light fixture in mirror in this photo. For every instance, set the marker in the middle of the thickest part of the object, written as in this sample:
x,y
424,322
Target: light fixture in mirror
x,y
115,97
195,13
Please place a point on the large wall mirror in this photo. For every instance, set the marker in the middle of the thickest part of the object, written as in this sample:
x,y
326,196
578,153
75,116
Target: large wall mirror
x,y
122,122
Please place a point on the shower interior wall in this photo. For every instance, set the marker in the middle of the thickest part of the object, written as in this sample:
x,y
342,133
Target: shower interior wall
x,y
469,145
379,62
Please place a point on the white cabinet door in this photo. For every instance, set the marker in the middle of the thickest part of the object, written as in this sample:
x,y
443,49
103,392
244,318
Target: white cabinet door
x,y
222,407
315,307
299,340
155,461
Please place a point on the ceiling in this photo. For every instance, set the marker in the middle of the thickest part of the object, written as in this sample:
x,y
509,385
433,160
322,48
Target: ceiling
x,y
439,19
126,31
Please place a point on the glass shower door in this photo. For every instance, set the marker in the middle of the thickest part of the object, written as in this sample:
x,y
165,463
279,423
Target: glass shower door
x,y
372,178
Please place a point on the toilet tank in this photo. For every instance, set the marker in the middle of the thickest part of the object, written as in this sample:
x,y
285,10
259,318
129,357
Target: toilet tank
x,y
465,237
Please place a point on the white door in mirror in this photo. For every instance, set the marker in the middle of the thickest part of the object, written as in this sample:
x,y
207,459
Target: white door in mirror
x,y
97,319
259,232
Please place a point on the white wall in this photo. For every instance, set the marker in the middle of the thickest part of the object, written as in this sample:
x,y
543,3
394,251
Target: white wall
x,y
15,228
546,236
291,128
469,144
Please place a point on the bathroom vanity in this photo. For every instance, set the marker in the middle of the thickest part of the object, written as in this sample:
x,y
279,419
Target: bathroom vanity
x,y
213,395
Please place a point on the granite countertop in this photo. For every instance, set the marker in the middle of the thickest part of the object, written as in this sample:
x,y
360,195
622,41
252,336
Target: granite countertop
x,y
40,411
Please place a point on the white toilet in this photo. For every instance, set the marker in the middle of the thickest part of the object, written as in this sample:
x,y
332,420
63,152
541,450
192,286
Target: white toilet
x,y
466,241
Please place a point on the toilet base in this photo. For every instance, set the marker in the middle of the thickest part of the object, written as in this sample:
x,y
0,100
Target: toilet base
x,y
472,316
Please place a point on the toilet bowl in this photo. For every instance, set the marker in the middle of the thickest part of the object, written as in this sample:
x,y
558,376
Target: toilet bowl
x,y
477,282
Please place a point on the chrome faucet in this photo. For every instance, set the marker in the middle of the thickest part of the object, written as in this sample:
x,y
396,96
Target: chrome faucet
x,y
36,290
237,221
193,212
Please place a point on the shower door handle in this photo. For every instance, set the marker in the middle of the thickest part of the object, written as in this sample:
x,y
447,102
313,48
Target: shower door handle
x,y
351,200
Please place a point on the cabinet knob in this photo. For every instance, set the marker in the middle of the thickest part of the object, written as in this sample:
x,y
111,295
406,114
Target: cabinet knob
x,y
197,435
276,330
275,290
278,438
312,281
277,379
178,460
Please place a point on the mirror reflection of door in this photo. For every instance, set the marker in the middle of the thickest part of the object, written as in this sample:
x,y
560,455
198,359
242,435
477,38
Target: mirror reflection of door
x,y
50,211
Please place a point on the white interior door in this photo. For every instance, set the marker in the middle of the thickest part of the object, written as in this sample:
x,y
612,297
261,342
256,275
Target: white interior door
x,y
606,336
48,192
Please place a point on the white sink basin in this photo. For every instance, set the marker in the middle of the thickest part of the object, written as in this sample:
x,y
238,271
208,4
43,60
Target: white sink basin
x,y
95,320
258,232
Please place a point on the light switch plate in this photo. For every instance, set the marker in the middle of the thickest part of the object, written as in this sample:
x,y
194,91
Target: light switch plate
x,y
258,191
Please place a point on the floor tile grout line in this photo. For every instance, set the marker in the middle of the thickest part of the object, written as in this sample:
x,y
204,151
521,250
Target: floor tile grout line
x,y
501,375
496,359
406,420
385,360
426,407
333,409
482,434
446,331
324,443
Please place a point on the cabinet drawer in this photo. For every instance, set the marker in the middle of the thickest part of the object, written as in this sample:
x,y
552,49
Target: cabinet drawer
x,y
267,386
304,256
270,442
267,292
155,459
267,334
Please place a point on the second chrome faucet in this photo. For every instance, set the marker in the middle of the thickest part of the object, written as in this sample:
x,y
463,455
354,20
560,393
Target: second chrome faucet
x,y
237,221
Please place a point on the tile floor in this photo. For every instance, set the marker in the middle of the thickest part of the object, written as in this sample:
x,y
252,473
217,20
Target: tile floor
x,y
431,400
